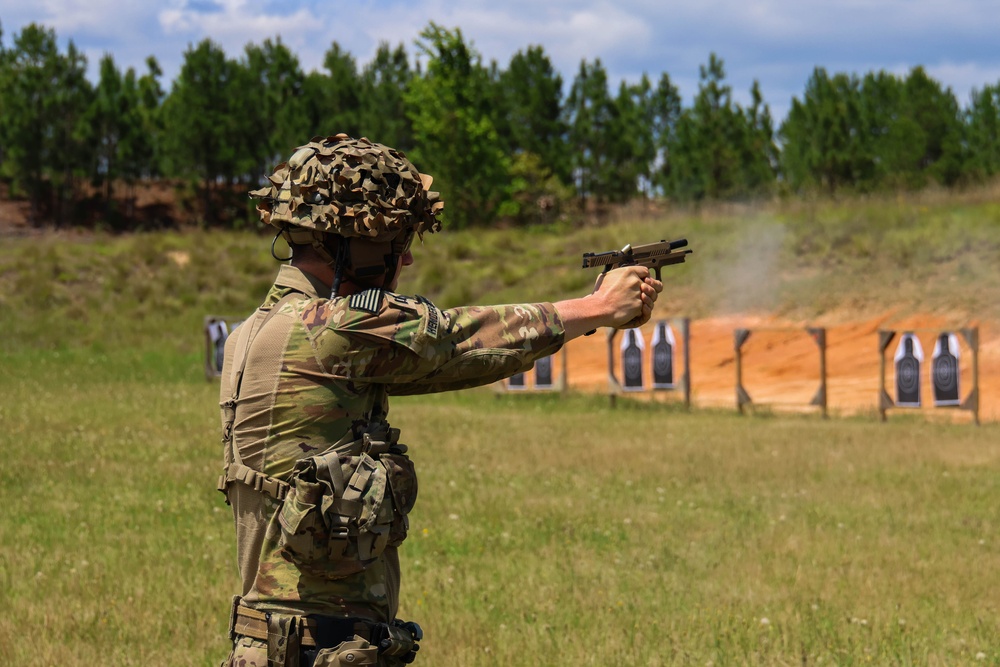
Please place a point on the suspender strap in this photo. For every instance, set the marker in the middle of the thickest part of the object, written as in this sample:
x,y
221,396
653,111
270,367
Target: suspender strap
x,y
236,470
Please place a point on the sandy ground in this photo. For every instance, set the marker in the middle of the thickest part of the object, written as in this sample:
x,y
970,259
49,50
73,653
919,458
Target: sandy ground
x,y
781,363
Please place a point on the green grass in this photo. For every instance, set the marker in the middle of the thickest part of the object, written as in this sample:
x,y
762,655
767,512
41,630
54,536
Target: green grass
x,y
549,531
559,538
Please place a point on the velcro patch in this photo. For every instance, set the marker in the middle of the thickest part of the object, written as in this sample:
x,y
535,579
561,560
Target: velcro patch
x,y
368,301
432,323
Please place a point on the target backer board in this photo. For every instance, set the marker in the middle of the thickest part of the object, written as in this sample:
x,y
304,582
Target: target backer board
x,y
632,347
909,355
945,371
664,346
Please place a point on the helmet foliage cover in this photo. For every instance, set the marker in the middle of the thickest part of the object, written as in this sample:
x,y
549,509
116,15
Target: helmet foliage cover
x,y
351,188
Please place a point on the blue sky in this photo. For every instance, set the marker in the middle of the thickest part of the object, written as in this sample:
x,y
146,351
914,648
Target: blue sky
x,y
777,42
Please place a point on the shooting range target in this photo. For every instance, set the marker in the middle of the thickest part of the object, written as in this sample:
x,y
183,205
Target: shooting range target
x,y
908,358
944,370
217,331
516,381
543,373
632,347
663,356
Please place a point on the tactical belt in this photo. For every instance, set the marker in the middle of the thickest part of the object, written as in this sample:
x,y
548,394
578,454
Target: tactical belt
x,y
322,632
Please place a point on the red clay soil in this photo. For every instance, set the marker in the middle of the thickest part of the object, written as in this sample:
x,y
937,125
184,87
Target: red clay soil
x,y
781,363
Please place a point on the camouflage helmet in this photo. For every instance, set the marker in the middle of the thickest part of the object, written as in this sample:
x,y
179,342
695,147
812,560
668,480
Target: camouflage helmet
x,y
351,188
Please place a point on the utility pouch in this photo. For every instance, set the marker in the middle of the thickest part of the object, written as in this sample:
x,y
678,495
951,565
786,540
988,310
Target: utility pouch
x,y
345,506
351,653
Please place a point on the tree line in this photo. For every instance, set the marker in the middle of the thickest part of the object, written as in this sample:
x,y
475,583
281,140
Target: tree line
x,y
501,142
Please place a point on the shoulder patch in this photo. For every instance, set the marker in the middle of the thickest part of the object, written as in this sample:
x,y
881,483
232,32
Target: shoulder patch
x,y
368,301
432,323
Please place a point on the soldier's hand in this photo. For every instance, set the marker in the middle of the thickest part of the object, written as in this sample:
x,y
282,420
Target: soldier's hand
x,y
628,294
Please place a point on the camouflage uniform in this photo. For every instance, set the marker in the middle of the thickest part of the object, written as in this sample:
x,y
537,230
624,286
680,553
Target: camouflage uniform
x,y
316,371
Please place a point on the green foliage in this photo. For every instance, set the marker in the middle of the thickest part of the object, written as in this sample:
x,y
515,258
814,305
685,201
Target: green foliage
x,y
76,151
332,99
535,195
151,290
274,118
633,146
455,139
203,112
590,112
384,82
983,132
43,126
718,150
872,133
532,91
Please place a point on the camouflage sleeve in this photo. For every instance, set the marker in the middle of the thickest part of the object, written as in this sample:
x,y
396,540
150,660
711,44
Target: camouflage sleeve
x,y
413,347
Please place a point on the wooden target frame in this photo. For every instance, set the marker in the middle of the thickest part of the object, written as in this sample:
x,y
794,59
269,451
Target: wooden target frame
x,y
969,403
615,387
818,335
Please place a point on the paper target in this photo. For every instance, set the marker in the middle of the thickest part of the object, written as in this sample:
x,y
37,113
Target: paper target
x,y
945,371
632,347
516,381
543,373
909,356
218,332
663,356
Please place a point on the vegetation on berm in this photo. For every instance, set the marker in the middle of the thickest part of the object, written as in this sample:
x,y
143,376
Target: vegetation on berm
x,y
933,251
503,142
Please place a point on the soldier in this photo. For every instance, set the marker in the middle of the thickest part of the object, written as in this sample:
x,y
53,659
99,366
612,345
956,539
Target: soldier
x,y
319,483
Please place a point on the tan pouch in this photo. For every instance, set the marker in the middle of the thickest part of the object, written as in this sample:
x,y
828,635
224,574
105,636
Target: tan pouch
x,y
351,653
342,512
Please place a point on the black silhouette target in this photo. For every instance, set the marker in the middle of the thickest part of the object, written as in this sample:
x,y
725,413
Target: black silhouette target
x,y
516,381
908,358
663,356
945,371
632,347
543,373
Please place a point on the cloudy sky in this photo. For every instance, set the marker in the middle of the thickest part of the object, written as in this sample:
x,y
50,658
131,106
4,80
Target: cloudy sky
x,y
777,42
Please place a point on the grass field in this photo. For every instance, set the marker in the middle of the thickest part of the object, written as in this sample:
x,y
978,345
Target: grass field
x,y
576,535
549,531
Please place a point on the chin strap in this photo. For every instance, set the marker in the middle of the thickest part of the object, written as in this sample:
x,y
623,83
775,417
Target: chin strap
x,y
343,257
367,263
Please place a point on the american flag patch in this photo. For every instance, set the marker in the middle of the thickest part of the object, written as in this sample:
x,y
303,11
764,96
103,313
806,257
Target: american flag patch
x,y
368,301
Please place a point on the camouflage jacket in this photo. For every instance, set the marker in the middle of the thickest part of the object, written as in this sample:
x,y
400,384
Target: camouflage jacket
x,y
311,377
